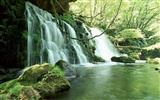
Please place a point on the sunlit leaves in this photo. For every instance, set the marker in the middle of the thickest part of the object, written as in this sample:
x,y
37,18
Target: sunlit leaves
x,y
133,13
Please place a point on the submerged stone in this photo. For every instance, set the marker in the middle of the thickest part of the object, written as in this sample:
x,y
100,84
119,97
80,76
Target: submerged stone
x,y
156,68
36,82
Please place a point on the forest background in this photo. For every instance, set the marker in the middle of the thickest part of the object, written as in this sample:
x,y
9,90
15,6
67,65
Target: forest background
x,y
132,25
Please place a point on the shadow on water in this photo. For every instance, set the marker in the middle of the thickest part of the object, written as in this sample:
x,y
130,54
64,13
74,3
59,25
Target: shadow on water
x,y
114,82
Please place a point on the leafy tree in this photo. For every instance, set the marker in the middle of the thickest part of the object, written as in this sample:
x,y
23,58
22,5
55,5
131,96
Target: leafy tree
x,y
140,14
135,14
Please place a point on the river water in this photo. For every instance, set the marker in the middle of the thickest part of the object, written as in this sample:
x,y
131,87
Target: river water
x,y
114,82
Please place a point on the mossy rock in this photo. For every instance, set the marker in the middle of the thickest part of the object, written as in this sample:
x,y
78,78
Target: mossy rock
x,y
153,61
36,82
123,59
98,59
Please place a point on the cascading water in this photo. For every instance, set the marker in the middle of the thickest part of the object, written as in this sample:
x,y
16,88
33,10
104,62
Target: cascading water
x,y
46,42
104,47
76,46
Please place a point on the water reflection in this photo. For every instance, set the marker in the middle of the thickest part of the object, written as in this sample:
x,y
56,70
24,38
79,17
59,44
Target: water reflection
x,y
116,82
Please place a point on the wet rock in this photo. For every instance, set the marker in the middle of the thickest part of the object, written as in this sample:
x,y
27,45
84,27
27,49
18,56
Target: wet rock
x,y
123,59
156,68
98,59
36,82
69,70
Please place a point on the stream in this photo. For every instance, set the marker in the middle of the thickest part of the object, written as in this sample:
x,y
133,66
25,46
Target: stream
x,y
114,82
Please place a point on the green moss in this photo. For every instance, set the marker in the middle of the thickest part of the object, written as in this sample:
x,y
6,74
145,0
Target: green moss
x,y
123,59
4,87
44,79
98,59
57,70
15,90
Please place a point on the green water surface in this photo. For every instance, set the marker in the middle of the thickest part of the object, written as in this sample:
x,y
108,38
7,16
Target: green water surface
x,y
114,82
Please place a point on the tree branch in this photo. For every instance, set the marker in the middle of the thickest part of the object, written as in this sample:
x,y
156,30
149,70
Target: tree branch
x,y
110,22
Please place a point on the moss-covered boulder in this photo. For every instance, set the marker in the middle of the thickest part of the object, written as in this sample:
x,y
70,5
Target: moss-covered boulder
x,y
123,59
153,61
36,82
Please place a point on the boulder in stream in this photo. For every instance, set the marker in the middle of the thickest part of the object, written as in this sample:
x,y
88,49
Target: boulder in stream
x,y
123,59
36,82
69,70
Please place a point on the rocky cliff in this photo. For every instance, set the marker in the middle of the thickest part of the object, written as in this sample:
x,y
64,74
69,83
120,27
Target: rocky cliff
x,y
13,28
60,6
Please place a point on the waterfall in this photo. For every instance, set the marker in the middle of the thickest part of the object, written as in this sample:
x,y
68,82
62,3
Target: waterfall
x,y
76,46
49,40
104,47
46,42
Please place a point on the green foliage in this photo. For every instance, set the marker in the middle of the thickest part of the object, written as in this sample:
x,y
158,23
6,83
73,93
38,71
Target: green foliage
x,y
4,87
135,55
153,40
25,34
135,14
152,51
2,2
58,70
130,37
68,19
130,33
148,33
152,47
140,14
12,26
